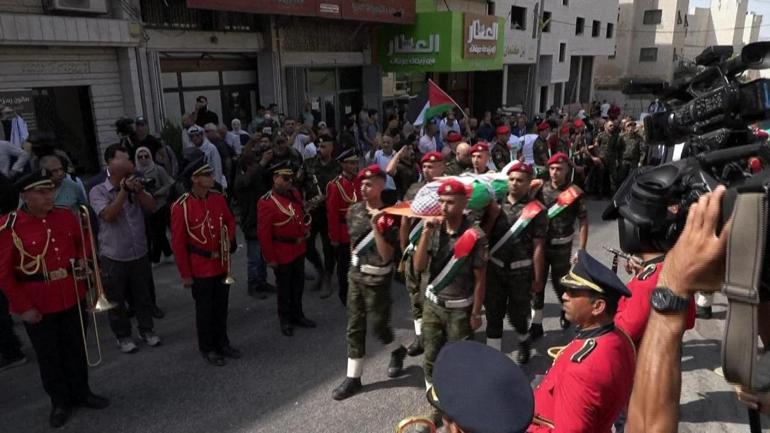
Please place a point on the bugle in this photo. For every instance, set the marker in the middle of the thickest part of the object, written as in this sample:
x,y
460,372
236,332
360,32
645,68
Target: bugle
x,y
224,253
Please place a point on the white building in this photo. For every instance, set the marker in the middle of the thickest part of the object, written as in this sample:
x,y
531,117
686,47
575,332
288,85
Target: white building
x,y
657,39
574,32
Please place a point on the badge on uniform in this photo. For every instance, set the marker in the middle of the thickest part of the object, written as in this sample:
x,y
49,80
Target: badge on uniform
x,y
354,259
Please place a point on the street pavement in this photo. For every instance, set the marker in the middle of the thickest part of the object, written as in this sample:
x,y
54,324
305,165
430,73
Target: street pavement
x,y
284,384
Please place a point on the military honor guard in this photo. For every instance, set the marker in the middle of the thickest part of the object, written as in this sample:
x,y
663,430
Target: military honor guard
x,y
283,230
516,260
410,231
374,239
480,158
566,206
541,150
314,177
501,154
203,238
590,381
454,251
41,247
452,164
341,193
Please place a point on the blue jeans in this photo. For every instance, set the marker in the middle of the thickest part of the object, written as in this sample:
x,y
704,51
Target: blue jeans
x,y
257,272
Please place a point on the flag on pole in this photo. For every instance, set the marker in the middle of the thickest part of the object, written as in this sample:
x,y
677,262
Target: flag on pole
x,y
436,102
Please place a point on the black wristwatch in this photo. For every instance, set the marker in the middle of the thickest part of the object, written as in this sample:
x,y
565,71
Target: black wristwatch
x,y
663,300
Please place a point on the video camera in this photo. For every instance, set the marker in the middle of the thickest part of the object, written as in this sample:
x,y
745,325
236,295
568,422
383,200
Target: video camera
x,y
702,141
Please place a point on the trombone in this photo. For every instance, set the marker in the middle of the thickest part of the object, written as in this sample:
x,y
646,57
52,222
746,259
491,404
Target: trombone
x,y
96,300
224,251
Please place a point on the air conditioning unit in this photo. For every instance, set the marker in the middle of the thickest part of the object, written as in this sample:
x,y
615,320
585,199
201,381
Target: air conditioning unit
x,y
76,6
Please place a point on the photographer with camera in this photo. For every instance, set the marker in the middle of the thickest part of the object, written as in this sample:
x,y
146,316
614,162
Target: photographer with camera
x,y
121,203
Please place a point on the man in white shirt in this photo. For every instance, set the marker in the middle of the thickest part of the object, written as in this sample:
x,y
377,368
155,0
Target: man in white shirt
x,y
8,151
428,141
209,151
527,148
605,108
448,125
382,157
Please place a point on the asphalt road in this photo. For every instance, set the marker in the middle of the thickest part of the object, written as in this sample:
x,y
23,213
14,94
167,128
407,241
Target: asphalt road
x,y
284,384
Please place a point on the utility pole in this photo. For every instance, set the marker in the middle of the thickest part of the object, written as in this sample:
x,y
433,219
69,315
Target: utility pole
x,y
535,89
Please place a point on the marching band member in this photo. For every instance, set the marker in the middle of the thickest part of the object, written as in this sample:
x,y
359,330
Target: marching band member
x,y
341,193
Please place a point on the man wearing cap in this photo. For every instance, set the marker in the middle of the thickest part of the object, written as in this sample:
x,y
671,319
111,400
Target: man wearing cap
x,y
540,149
411,228
454,251
213,158
283,152
200,220
40,245
480,390
480,158
501,154
591,379
630,144
314,177
517,260
374,239
565,206
283,228
143,138
341,193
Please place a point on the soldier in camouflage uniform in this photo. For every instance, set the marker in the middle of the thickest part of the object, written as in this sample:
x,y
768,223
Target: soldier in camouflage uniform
x,y
541,150
480,158
432,167
501,154
517,260
459,161
451,163
374,239
455,293
606,141
562,215
632,156
314,176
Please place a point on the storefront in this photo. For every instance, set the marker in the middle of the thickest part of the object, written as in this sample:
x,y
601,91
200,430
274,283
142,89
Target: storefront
x,y
459,51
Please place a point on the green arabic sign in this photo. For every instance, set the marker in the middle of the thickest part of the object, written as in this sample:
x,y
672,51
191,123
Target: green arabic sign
x,y
439,42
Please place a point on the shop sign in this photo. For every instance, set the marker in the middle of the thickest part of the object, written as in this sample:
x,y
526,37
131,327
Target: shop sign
x,y
21,100
385,11
438,42
481,36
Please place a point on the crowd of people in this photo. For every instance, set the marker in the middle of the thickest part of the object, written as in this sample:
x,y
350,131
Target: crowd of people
x,y
291,181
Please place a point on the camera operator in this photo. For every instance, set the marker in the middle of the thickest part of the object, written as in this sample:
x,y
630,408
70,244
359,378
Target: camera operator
x,y
695,263
120,203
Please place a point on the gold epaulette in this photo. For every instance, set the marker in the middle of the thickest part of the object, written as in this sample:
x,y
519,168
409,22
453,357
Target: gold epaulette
x,y
588,347
266,196
182,198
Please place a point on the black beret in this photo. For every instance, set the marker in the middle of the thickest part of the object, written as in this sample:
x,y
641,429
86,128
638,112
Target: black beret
x,y
589,274
39,179
481,389
348,155
197,167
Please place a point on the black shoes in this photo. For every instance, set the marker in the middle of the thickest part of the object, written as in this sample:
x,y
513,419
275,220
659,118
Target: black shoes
x,y
524,352
60,414
348,388
703,312
93,401
563,322
396,365
535,331
415,349
230,352
287,329
214,359
157,313
304,322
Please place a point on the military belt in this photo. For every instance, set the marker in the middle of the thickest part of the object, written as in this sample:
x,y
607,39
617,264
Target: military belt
x,y
518,264
562,241
55,275
288,240
203,253
450,304
376,270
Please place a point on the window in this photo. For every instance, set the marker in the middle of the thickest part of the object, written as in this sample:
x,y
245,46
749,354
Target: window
x,y
648,55
518,18
580,24
546,22
596,28
653,16
610,30
562,51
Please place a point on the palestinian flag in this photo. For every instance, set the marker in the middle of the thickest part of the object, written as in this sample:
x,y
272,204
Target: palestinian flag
x,y
433,102
462,250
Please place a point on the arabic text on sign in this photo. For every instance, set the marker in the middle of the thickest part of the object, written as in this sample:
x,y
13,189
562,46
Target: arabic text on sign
x,y
480,32
403,45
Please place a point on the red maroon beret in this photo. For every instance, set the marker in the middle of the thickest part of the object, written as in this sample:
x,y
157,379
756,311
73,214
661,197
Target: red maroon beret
x,y
543,126
481,146
453,137
579,123
451,187
502,130
371,171
558,158
432,157
521,167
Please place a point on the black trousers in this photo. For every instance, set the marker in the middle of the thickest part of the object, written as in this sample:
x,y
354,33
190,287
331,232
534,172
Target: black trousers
x,y
211,302
157,241
10,346
343,266
320,227
128,282
290,279
61,356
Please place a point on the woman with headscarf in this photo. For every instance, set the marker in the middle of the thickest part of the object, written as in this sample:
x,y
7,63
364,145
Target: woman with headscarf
x,y
159,185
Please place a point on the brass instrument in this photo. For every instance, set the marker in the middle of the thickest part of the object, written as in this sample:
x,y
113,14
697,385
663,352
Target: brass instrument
x,y
224,251
96,300
316,201
416,425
